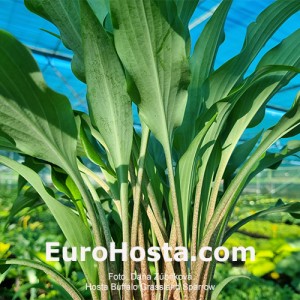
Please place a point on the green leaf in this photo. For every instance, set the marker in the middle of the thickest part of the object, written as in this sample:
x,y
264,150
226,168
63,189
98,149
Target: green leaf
x,y
285,53
270,159
209,179
240,154
109,103
100,9
274,71
39,120
150,32
6,143
75,231
65,184
223,283
109,174
3,272
206,48
262,85
92,149
109,106
35,165
68,286
65,15
280,207
186,9
86,123
51,33
29,199
201,64
258,33
186,173
59,178
287,123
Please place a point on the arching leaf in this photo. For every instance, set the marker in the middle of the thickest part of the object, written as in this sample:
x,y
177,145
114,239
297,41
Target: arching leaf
x,y
75,231
38,120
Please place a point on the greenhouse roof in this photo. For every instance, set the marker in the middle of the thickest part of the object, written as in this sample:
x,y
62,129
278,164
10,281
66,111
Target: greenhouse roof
x,y
54,59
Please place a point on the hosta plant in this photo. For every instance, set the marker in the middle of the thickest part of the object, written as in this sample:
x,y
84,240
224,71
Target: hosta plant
x,y
177,177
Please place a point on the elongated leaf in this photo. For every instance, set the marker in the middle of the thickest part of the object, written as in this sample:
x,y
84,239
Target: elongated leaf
x,y
271,159
285,53
91,149
65,15
3,272
201,64
40,121
59,178
64,183
206,48
280,207
287,123
223,283
150,41
207,178
245,108
240,155
69,287
35,165
264,83
186,9
86,122
109,174
186,174
109,103
110,107
75,231
258,33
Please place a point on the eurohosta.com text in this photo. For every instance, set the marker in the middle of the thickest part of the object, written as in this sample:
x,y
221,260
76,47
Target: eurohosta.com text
x,y
152,254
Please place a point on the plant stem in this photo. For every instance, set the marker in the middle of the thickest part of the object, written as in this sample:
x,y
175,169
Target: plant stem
x,y
102,184
161,238
106,231
102,269
196,272
195,222
146,184
122,172
176,213
153,213
156,264
146,295
154,204
169,272
160,235
94,294
137,188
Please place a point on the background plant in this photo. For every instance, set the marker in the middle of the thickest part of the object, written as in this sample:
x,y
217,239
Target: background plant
x,y
178,179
